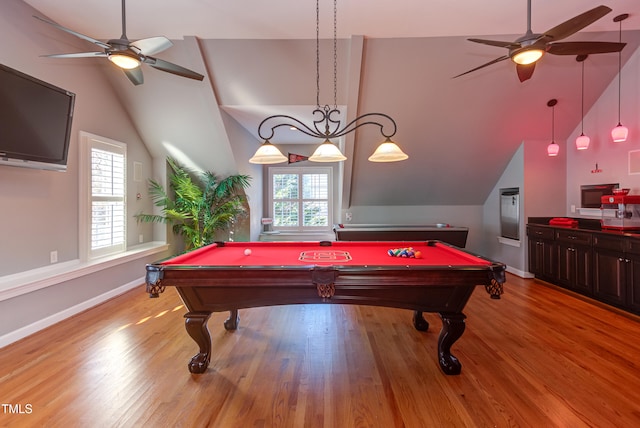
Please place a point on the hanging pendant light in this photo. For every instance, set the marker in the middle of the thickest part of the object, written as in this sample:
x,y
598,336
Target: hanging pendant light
x,y
327,152
552,148
620,132
328,126
582,142
388,152
267,153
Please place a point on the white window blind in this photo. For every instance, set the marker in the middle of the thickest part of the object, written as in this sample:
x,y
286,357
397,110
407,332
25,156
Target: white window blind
x,y
103,187
300,198
107,199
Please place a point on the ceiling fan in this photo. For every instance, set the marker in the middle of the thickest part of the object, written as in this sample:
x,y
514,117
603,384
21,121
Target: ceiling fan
x,y
528,49
128,55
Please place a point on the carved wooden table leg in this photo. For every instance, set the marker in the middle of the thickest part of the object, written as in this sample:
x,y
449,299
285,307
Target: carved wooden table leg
x,y
453,326
232,322
196,325
419,322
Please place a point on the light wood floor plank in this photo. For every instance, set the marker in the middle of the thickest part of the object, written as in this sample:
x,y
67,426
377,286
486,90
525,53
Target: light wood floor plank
x,y
537,357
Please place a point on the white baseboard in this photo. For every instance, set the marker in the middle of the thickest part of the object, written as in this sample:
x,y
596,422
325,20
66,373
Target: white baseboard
x,y
30,329
520,273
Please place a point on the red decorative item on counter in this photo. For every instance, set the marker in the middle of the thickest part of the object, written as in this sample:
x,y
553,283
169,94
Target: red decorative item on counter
x,y
563,222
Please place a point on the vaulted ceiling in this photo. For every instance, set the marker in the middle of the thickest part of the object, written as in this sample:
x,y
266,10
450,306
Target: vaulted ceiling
x,y
258,58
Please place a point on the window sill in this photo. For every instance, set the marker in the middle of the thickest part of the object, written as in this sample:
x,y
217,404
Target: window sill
x,y
26,282
297,236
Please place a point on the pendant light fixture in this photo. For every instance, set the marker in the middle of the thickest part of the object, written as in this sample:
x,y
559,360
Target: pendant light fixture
x,y
327,126
553,148
620,132
582,142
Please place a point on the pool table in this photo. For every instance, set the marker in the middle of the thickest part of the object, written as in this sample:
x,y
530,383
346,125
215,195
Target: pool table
x,y
235,275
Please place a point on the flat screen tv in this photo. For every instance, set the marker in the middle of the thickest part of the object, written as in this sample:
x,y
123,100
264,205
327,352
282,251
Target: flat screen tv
x,y
35,121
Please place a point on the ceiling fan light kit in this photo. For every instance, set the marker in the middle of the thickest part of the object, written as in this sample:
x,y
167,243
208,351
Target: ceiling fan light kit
x,y
126,60
528,49
126,54
527,57
327,126
620,132
553,148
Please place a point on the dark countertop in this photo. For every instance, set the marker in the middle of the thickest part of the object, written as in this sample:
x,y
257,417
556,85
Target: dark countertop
x,y
585,224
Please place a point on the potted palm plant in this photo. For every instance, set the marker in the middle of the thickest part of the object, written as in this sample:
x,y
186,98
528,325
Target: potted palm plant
x,y
203,204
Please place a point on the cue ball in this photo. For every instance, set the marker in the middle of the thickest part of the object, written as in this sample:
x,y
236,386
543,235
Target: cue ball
x,y
247,252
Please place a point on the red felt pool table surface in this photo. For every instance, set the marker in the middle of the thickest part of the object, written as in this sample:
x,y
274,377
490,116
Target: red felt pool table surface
x,y
338,253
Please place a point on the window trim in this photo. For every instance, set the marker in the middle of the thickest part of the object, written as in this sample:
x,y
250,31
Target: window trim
x,y
300,171
87,142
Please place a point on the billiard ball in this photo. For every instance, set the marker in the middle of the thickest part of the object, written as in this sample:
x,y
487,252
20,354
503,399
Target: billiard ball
x,y
247,252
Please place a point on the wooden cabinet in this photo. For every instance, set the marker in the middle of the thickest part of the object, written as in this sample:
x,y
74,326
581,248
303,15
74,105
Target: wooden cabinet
x,y
604,265
575,260
542,258
617,265
610,270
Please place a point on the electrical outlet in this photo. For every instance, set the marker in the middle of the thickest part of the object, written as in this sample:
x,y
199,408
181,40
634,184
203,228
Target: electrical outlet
x,y
140,238
53,257
349,216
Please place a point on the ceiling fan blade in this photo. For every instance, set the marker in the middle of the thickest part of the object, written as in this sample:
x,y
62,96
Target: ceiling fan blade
x,y
78,55
134,75
577,23
498,43
584,48
172,68
82,36
502,58
525,71
152,45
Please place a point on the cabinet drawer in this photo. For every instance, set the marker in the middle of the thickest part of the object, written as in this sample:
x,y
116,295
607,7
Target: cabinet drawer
x,y
632,245
612,243
540,233
574,237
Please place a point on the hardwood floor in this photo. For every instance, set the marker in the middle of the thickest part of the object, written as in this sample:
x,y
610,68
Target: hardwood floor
x,y
538,357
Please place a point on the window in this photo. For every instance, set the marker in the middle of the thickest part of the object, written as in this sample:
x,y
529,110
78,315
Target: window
x,y
103,176
300,198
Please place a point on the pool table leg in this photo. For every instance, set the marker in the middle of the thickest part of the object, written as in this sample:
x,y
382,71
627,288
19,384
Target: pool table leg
x,y
232,322
196,325
453,326
419,322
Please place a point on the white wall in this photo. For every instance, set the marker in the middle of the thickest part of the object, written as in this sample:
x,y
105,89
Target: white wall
x,y
39,209
612,158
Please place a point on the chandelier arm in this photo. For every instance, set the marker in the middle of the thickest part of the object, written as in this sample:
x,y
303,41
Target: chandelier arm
x,y
295,123
353,125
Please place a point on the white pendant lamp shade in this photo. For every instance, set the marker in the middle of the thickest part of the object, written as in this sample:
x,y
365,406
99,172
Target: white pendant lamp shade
x,y
388,152
553,149
582,142
327,152
267,153
619,133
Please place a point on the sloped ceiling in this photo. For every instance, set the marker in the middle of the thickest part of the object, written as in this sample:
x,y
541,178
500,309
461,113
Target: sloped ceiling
x,y
259,58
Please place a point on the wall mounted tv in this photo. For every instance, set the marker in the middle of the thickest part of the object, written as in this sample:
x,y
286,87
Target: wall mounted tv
x,y
35,121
